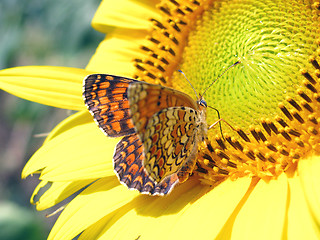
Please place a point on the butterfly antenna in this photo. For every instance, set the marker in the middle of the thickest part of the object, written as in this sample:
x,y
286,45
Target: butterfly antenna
x,y
189,83
220,76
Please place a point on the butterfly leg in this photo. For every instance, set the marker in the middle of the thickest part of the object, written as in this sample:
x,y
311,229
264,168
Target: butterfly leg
x,y
218,121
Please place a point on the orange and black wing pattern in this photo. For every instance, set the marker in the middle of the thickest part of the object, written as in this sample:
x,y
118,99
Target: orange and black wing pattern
x,y
128,164
123,107
106,97
170,142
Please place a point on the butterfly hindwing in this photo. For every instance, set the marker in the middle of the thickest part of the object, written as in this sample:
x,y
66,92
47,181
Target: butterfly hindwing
x,y
170,141
127,160
106,99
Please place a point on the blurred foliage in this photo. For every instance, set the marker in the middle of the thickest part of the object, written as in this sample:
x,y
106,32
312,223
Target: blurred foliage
x,y
15,227
35,32
55,31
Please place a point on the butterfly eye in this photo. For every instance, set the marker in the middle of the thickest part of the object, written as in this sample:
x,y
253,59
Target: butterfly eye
x,y
203,103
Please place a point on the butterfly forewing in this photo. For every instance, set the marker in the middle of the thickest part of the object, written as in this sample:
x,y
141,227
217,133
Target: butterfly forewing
x,y
107,100
147,99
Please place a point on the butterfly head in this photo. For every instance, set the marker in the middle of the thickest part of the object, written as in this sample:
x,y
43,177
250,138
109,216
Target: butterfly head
x,y
202,103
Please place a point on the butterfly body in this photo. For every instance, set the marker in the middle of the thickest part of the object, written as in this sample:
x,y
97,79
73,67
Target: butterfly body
x,y
161,127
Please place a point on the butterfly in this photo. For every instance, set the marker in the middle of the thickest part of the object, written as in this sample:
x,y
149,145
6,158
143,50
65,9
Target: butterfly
x,y
161,129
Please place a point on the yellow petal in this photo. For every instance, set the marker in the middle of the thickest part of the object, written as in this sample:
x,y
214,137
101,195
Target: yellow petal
x,y
300,224
310,179
82,152
98,200
54,86
124,14
116,53
59,191
36,191
191,211
74,120
263,214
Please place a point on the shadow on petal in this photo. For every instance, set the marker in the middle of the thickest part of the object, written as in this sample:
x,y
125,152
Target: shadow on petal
x,y
226,231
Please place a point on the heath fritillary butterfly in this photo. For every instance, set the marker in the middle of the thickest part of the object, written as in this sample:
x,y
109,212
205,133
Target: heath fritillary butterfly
x,y
161,129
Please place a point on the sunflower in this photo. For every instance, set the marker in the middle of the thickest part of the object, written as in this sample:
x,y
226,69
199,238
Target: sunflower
x,y
258,180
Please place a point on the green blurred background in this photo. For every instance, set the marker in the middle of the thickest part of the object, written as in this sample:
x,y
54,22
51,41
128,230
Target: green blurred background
x,y
35,32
